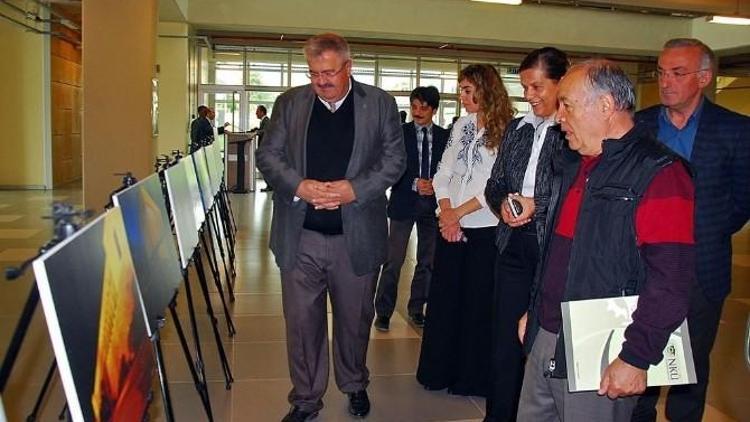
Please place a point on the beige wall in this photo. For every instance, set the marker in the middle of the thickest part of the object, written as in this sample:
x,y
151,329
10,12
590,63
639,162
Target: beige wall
x,y
648,95
448,21
174,113
119,60
22,109
734,94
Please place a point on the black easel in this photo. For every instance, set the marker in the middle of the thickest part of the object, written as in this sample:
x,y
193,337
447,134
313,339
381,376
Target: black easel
x,y
196,365
213,216
208,246
198,261
224,217
66,221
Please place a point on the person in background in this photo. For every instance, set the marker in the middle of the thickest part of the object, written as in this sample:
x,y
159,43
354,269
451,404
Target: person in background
x,y
413,202
523,171
456,343
202,128
262,114
402,113
716,143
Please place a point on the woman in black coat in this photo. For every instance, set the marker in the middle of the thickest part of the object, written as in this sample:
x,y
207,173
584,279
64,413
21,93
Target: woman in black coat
x,y
522,173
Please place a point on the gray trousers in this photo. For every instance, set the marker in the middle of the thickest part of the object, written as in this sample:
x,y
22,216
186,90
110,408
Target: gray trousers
x,y
323,268
548,399
398,240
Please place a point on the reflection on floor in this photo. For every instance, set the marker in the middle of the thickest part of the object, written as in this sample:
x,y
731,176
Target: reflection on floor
x,y
258,353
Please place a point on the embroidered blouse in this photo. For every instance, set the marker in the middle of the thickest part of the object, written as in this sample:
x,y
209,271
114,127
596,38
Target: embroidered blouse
x,y
463,172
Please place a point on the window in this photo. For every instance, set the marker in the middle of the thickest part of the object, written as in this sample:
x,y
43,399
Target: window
x,y
448,109
363,69
398,74
261,74
221,67
443,75
267,69
299,70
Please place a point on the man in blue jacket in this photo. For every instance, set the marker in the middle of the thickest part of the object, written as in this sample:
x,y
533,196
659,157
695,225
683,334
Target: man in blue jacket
x,y
413,201
716,143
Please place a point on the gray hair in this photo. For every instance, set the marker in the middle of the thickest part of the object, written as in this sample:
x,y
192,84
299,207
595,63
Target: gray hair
x,y
606,77
329,41
708,58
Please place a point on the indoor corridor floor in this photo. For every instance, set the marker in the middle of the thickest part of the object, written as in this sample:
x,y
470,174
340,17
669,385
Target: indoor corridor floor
x,y
257,353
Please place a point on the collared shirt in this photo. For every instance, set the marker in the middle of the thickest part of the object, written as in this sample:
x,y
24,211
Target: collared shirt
x,y
464,169
682,140
540,125
420,138
338,103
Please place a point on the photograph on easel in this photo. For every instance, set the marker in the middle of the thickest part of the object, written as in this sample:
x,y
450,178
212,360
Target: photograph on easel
x,y
204,180
213,167
152,245
89,294
186,205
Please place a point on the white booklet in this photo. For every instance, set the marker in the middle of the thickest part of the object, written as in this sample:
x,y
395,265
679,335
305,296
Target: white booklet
x,y
594,332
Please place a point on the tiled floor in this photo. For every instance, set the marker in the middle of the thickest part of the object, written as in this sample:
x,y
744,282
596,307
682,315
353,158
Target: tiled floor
x,y
257,353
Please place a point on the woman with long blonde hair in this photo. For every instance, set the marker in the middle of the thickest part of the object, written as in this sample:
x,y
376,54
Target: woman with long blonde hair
x,y
456,343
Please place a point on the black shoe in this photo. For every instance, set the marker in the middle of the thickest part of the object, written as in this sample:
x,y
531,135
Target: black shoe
x,y
359,403
382,323
417,319
267,189
298,415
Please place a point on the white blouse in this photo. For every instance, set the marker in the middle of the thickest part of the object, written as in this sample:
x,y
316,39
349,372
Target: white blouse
x,y
464,169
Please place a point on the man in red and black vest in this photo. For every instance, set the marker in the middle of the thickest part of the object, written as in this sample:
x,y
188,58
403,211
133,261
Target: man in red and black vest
x,y
622,217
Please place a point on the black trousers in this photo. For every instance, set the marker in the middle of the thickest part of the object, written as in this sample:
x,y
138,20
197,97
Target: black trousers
x,y
686,402
514,274
398,240
456,339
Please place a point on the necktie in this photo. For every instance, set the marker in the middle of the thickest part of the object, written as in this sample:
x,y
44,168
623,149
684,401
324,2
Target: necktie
x,y
332,107
424,172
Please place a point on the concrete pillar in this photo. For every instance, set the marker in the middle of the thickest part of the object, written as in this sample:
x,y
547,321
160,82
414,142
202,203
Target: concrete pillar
x,y
119,62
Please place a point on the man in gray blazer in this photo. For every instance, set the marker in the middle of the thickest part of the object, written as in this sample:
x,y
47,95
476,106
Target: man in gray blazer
x,y
331,150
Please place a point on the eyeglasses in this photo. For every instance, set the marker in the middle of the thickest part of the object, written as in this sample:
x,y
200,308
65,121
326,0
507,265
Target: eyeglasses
x,y
668,74
327,74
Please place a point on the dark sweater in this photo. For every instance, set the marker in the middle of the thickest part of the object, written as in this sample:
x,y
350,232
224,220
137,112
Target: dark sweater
x,y
330,139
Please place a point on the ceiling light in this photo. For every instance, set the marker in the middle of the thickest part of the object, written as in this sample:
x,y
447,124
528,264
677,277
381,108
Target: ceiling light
x,y
729,20
509,2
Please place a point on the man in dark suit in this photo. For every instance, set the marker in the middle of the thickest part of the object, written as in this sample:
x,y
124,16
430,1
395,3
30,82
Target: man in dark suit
x,y
262,114
716,142
202,130
413,201
332,149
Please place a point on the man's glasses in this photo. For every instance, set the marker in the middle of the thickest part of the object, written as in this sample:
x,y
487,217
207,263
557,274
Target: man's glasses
x,y
327,74
676,74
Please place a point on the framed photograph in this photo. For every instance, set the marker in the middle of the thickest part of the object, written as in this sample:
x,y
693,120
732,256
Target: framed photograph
x,y
89,294
152,246
204,180
186,205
